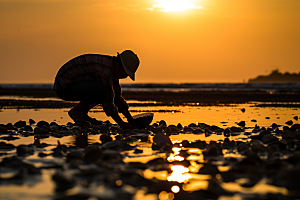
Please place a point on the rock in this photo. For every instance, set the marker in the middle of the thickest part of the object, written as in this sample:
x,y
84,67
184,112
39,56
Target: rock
x,y
43,124
199,144
4,145
28,128
192,125
9,126
74,155
287,135
63,181
185,143
243,148
117,145
161,139
187,129
20,124
277,146
236,129
163,123
168,131
31,121
3,130
9,138
37,143
296,118
209,168
290,122
198,131
227,132
40,131
179,126
227,144
297,135
16,163
274,125
241,123
105,138
137,151
295,127
24,150
92,153
213,149
243,110
54,127
268,138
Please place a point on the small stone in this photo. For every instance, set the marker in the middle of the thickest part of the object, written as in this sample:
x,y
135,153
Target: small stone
x,y
268,138
4,145
28,128
290,122
3,130
168,131
209,168
213,149
31,121
236,129
179,126
138,151
161,139
20,124
39,131
242,123
63,182
105,138
24,150
43,124
163,123
287,135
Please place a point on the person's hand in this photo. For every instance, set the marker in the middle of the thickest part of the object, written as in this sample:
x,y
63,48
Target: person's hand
x,y
126,125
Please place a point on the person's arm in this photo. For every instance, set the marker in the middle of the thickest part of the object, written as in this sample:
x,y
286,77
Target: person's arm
x,y
127,114
121,123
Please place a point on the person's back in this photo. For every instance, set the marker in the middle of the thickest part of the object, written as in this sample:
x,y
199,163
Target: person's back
x,y
87,67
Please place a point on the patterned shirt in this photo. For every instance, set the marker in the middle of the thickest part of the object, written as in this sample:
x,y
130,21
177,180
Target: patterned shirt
x,y
93,67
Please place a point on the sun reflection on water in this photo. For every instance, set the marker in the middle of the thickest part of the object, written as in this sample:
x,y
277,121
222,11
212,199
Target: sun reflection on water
x,y
175,156
179,172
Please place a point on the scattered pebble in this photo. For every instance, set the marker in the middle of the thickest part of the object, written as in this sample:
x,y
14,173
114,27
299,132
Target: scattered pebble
x,y
259,152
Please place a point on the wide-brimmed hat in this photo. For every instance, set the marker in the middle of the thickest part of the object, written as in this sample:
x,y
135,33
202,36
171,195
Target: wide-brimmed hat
x,y
130,62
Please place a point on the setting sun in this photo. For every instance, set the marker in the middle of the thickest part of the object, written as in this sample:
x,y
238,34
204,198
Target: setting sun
x,y
176,5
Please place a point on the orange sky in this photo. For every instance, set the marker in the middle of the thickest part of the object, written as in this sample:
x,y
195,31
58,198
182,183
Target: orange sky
x,y
217,41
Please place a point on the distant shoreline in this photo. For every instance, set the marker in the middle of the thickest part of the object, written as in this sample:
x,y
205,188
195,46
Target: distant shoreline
x,y
277,77
157,98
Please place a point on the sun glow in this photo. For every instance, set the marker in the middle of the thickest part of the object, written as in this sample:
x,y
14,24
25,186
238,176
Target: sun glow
x,y
176,5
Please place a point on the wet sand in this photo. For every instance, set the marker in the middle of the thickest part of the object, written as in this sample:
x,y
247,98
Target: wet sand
x,y
239,159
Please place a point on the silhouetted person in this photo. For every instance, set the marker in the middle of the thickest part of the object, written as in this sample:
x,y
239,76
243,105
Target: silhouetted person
x,y
94,79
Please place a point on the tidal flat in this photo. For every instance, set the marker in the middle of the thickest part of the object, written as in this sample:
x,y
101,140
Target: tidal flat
x,y
241,148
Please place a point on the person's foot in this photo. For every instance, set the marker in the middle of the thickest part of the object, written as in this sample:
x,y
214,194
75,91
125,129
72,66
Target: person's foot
x,y
92,120
78,118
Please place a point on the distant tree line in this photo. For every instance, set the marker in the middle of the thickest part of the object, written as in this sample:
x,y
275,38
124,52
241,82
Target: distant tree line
x,y
277,76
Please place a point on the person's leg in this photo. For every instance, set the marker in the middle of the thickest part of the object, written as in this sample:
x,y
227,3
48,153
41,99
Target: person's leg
x,y
88,93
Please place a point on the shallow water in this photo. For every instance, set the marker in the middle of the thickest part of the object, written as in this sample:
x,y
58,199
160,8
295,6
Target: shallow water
x,y
227,115
42,187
